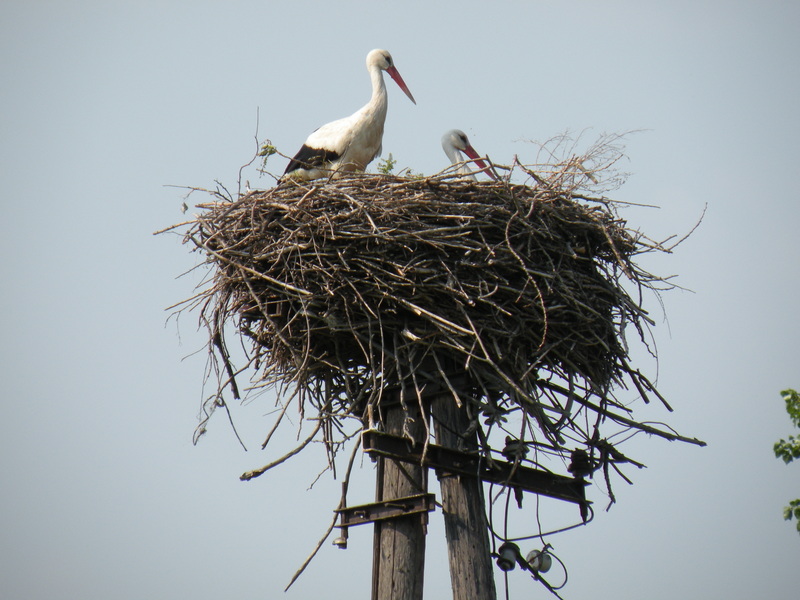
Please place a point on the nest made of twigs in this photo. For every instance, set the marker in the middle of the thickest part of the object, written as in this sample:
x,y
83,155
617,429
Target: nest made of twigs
x,y
347,286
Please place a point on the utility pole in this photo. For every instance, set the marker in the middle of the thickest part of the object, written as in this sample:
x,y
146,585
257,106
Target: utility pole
x,y
398,563
461,472
464,510
399,550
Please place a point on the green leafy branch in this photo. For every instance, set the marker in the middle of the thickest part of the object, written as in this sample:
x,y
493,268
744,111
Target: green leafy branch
x,y
789,449
265,151
386,165
792,399
793,510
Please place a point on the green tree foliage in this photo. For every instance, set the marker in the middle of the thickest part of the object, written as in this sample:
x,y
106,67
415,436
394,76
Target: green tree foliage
x,y
386,165
265,151
792,399
789,449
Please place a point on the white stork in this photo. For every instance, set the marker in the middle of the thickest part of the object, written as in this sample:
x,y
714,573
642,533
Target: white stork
x,y
349,144
454,142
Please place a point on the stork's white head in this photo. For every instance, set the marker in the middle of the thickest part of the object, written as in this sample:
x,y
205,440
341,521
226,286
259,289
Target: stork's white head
x,y
456,141
381,59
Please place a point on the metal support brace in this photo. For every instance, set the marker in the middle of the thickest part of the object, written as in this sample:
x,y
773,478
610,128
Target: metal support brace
x,y
350,516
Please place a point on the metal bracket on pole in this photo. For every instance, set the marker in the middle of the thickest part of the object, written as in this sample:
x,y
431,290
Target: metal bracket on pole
x,y
350,516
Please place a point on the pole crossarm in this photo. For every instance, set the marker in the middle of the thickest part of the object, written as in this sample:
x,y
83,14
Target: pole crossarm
x,y
570,489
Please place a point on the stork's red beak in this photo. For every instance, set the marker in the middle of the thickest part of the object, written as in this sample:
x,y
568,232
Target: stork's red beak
x,y
392,71
470,151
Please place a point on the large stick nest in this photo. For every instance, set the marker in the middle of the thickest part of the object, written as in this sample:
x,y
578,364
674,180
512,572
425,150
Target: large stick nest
x,y
371,277
514,297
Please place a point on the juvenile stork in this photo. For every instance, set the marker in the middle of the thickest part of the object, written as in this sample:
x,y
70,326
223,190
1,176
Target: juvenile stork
x,y
454,142
349,144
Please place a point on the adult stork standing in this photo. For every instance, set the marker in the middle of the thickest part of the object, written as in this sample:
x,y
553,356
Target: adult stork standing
x,y
349,144
454,142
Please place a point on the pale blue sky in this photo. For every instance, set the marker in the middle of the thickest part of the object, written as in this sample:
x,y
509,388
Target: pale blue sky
x,y
102,104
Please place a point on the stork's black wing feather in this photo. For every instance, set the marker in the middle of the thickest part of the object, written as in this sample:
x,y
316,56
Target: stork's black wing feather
x,y
311,158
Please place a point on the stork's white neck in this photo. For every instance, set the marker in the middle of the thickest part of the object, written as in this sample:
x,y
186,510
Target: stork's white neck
x,y
379,100
457,158
453,154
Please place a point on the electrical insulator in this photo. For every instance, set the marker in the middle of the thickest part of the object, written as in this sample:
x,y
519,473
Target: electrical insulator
x,y
507,556
539,560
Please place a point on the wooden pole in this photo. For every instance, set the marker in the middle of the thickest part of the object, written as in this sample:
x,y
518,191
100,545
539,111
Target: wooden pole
x,y
464,510
399,544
